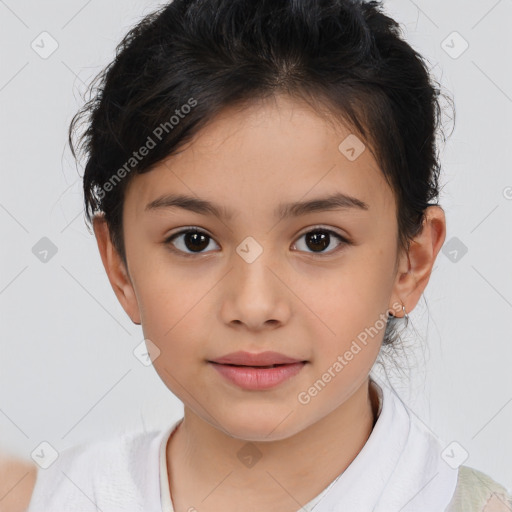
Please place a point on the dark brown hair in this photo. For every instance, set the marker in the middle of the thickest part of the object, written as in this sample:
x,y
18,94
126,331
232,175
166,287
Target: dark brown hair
x,y
182,64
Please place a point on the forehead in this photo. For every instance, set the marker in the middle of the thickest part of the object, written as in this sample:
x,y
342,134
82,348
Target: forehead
x,y
256,157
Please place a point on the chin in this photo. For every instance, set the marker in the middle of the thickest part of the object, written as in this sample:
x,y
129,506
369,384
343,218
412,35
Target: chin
x,y
261,426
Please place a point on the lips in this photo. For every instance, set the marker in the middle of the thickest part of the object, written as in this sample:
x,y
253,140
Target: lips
x,y
267,359
258,378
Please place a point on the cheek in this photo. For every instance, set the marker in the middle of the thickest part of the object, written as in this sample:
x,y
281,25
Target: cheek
x,y
172,305
357,286
166,292
350,305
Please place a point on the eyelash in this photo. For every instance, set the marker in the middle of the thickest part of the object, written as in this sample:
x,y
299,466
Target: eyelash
x,y
192,229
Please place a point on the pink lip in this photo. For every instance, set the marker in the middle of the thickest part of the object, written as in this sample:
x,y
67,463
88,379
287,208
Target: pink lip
x,y
254,378
261,359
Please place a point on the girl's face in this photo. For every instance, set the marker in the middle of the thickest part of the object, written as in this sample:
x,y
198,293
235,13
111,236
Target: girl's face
x,y
312,283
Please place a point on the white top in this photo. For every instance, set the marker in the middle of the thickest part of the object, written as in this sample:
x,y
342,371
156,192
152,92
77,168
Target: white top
x,y
399,469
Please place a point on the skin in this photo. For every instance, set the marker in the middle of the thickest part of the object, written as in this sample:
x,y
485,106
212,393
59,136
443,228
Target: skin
x,y
17,481
291,299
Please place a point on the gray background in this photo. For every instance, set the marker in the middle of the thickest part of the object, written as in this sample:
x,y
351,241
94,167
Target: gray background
x,y
67,369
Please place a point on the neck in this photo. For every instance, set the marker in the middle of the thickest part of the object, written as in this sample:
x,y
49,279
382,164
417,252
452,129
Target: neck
x,y
200,456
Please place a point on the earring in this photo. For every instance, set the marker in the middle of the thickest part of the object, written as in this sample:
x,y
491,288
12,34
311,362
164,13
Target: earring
x,y
406,316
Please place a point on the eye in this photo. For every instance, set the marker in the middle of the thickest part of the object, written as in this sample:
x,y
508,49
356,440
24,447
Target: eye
x,y
196,241
193,239
320,238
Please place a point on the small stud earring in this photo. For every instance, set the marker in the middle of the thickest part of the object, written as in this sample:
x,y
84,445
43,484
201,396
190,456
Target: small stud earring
x,y
406,316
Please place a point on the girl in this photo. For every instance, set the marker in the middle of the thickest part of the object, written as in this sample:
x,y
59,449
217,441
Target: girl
x,y
261,177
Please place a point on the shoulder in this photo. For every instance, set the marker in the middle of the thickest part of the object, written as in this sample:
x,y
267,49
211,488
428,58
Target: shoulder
x,y
101,472
477,491
17,480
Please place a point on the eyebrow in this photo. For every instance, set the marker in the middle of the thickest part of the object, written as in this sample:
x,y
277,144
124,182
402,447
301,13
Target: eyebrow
x,y
338,201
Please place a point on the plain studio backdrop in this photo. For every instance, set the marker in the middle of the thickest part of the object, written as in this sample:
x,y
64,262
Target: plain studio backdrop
x,y
68,372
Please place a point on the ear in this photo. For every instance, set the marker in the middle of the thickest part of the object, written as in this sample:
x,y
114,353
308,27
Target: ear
x,y
415,266
115,269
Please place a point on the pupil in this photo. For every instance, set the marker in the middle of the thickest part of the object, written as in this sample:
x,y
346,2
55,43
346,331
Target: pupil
x,y
195,241
320,240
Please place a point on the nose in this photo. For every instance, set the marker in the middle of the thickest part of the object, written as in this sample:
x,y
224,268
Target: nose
x,y
255,295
